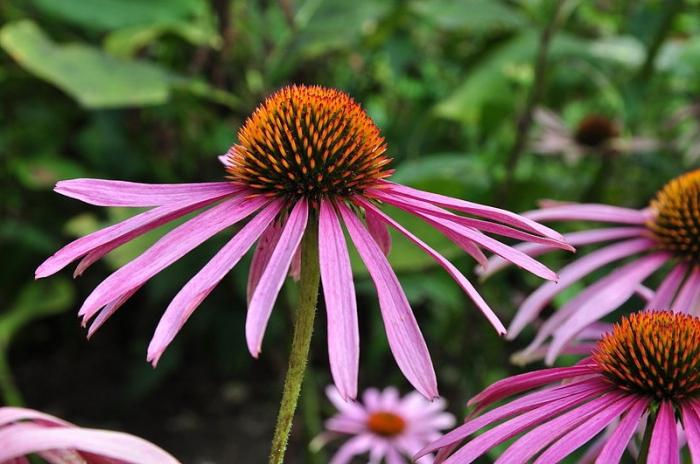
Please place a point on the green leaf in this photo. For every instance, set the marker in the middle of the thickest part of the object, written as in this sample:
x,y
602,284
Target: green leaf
x,y
93,78
453,174
43,172
477,16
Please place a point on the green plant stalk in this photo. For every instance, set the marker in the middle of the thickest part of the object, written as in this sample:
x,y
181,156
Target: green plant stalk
x,y
301,341
8,390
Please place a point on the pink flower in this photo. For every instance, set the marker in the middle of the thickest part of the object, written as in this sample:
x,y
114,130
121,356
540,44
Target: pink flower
x,y
646,372
666,233
385,425
25,431
307,157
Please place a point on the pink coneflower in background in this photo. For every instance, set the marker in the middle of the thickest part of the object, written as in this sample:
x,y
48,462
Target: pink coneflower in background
x,y
665,233
385,425
308,157
24,432
645,372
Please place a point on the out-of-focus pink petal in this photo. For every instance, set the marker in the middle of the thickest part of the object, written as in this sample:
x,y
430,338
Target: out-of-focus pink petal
x,y
10,414
449,267
663,297
569,275
341,306
101,242
379,232
22,439
586,431
614,290
663,448
102,192
691,426
199,287
263,250
618,440
586,237
589,212
169,249
404,335
497,214
272,279
359,444
687,299
295,267
349,409
532,442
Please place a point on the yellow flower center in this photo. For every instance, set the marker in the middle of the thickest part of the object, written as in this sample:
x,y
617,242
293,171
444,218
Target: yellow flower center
x,y
386,424
654,353
594,131
676,223
308,141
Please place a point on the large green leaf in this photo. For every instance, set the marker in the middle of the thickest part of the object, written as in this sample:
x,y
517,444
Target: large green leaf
x,y
477,16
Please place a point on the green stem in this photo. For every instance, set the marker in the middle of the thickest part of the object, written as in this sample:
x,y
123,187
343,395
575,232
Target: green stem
x,y
301,341
644,447
9,391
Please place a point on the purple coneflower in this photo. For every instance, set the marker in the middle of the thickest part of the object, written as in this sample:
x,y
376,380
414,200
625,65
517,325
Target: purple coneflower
x,y
646,372
665,233
309,159
25,432
385,426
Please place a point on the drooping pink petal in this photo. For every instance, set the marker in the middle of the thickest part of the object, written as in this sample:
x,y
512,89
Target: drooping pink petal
x,y
263,250
272,278
589,212
409,204
663,297
618,440
663,448
103,192
614,290
199,287
691,426
379,232
528,402
23,439
532,442
575,239
341,305
10,414
489,212
569,275
404,335
168,249
106,312
449,267
585,432
103,241
687,299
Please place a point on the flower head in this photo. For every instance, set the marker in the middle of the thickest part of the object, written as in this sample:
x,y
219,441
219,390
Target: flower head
x,y
25,432
667,232
385,425
307,157
645,371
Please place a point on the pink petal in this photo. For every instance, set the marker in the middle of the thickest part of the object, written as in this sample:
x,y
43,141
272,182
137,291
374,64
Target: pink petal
x,y
497,214
266,245
341,306
21,439
614,290
405,339
108,310
667,290
575,239
589,212
687,299
586,431
449,267
359,444
691,425
378,231
10,414
617,442
295,267
199,287
663,448
569,275
105,240
102,192
169,249
349,409
272,279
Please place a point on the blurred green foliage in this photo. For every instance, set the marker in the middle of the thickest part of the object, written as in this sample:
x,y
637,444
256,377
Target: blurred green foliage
x,y
154,90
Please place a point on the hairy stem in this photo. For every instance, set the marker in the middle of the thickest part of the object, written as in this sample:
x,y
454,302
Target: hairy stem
x,y
301,341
